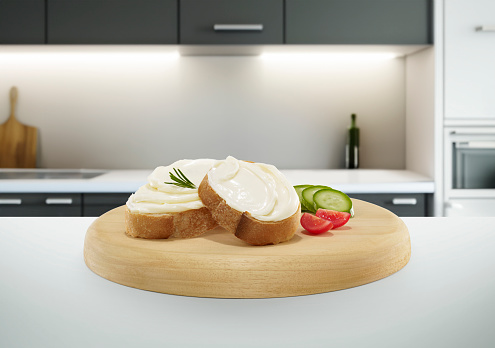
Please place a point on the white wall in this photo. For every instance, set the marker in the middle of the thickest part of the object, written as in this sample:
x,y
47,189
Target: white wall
x,y
420,112
136,107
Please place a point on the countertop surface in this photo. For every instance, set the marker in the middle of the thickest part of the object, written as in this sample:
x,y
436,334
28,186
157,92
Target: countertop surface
x,y
126,181
442,298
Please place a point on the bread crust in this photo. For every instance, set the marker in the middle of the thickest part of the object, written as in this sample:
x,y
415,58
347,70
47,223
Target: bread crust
x,y
256,232
242,224
186,224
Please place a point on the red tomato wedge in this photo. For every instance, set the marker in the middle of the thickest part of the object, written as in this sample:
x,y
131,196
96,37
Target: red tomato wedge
x,y
337,218
314,224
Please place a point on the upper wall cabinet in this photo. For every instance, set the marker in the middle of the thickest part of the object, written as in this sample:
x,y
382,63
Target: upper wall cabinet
x,y
112,21
386,22
22,21
469,60
216,22
231,22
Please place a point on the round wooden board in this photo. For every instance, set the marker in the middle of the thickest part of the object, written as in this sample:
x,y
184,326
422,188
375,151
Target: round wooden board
x,y
373,245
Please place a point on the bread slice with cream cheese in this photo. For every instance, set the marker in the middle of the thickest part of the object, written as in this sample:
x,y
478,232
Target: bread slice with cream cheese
x,y
254,201
159,210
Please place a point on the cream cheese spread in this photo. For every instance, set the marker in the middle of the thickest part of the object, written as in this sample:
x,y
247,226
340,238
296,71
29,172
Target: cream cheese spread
x,y
156,197
257,188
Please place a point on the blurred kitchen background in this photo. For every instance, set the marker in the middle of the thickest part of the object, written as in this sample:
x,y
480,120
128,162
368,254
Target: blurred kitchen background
x,y
137,106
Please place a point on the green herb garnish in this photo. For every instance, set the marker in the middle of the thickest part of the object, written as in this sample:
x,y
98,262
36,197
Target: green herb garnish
x,y
180,180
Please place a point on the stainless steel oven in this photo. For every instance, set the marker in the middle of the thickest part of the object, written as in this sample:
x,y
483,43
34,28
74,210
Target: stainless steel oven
x,y
469,171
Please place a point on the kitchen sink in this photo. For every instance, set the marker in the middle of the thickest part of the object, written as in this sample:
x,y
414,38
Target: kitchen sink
x,y
32,174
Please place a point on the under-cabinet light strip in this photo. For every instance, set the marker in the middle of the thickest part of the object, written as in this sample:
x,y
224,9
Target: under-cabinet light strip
x,y
328,56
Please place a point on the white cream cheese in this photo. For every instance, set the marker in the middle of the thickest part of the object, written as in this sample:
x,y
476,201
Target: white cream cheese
x,y
156,197
257,188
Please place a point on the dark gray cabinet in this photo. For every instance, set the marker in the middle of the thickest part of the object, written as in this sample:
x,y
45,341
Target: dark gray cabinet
x,y
96,204
401,204
387,22
112,21
40,204
60,204
231,22
216,22
22,21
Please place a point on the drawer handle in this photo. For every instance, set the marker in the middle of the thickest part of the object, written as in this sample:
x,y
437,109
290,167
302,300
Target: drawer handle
x,y
454,205
404,201
11,201
486,28
58,201
238,27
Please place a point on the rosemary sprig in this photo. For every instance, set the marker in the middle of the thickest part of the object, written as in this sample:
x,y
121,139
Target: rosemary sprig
x,y
180,180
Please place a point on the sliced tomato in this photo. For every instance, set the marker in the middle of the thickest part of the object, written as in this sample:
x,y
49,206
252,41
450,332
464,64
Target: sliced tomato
x,y
338,218
314,224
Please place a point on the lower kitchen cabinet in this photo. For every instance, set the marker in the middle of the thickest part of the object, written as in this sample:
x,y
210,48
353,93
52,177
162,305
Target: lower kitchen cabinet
x,y
401,204
60,204
40,204
96,204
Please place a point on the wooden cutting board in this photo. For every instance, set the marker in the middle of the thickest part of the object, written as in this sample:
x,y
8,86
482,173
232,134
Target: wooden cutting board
x,y
17,141
373,245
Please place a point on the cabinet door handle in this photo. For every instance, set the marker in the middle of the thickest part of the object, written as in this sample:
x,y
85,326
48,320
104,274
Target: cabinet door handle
x,y
10,201
486,28
404,201
238,27
58,201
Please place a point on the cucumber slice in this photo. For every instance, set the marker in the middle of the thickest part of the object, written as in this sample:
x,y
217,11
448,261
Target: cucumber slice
x,y
307,196
299,189
332,200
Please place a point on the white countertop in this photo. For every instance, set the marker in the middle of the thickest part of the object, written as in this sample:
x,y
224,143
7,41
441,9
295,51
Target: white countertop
x,y
444,297
126,181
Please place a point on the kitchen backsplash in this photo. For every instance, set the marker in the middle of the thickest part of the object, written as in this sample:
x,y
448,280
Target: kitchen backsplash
x,y
140,107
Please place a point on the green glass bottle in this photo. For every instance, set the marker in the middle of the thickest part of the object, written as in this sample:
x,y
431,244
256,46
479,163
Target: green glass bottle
x,y
352,146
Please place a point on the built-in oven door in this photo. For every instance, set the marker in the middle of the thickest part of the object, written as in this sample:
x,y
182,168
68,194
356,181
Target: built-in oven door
x,y
473,164
470,171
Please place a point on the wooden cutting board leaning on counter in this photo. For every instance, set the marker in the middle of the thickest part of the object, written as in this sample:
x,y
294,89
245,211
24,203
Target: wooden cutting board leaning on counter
x,y
17,141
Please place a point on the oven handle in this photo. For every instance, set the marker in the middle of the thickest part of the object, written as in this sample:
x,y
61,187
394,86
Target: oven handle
x,y
474,144
490,132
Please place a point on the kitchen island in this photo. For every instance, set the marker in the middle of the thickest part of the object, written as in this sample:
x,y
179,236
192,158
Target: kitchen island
x,y
442,298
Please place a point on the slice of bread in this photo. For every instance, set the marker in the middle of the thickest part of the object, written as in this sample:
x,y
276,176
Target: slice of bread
x,y
159,209
186,224
243,224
